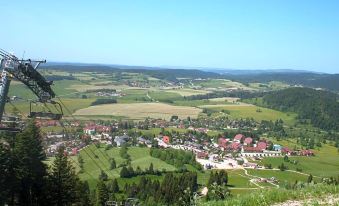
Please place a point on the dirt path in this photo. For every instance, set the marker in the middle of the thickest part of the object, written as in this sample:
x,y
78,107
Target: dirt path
x,y
257,177
301,173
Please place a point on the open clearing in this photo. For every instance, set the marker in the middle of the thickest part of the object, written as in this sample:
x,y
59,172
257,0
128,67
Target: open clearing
x,y
225,99
84,88
187,92
243,110
141,110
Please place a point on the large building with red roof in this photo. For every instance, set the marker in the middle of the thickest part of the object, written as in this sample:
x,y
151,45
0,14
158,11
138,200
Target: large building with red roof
x,y
239,138
233,147
222,142
252,149
262,145
248,141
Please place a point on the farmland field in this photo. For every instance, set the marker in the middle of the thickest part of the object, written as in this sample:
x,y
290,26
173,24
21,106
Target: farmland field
x,y
188,92
250,111
225,99
164,96
83,88
71,104
61,88
221,84
140,110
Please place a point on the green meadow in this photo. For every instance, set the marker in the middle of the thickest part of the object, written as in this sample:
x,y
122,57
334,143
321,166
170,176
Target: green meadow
x,y
96,159
325,163
257,113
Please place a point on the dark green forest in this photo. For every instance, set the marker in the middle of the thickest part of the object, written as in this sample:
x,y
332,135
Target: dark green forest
x,y
320,108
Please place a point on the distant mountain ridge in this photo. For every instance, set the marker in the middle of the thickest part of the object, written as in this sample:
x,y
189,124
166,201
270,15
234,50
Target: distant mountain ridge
x,y
292,77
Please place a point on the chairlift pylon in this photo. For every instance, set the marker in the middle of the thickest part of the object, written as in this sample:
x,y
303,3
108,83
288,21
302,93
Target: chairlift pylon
x,y
46,115
26,72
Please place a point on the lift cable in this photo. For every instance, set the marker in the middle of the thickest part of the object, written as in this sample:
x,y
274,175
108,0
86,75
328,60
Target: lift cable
x,y
89,146
103,154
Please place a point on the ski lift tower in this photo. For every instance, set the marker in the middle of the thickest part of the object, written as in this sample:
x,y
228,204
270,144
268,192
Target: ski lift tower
x,y
26,72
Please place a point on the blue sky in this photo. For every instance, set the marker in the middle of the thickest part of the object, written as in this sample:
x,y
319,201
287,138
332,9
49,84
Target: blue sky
x,y
276,34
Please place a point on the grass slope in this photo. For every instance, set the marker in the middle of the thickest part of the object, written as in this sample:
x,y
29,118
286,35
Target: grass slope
x,y
250,111
92,166
269,197
325,162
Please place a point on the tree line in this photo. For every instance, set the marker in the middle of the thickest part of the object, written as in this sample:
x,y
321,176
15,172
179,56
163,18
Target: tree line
x,y
217,94
103,101
171,191
178,158
26,180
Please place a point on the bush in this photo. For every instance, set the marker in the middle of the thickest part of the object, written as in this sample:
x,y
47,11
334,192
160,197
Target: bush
x,y
268,166
282,167
299,169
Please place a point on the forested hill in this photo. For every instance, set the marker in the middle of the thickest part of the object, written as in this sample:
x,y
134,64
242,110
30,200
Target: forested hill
x,y
321,108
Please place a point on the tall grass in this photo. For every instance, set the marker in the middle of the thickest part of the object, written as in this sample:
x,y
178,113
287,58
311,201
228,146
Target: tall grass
x,y
271,196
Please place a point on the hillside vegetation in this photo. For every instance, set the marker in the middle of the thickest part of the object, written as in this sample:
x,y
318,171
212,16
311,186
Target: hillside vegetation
x,y
313,193
320,108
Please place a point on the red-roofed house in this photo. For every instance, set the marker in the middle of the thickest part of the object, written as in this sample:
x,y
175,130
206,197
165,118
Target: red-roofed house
x,y
166,139
286,151
100,128
248,141
252,149
239,138
262,145
306,153
235,146
92,129
222,142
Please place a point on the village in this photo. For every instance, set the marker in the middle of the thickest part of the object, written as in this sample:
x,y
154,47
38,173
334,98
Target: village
x,y
223,152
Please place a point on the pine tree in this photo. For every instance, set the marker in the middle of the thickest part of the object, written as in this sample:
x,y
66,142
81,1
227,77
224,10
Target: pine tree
x,y
6,170
101,194
103,176
223,177
83,194
124,172
31,171
113,186
150,169
63,181
310,178
81,162
113,164
130,171
138,171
